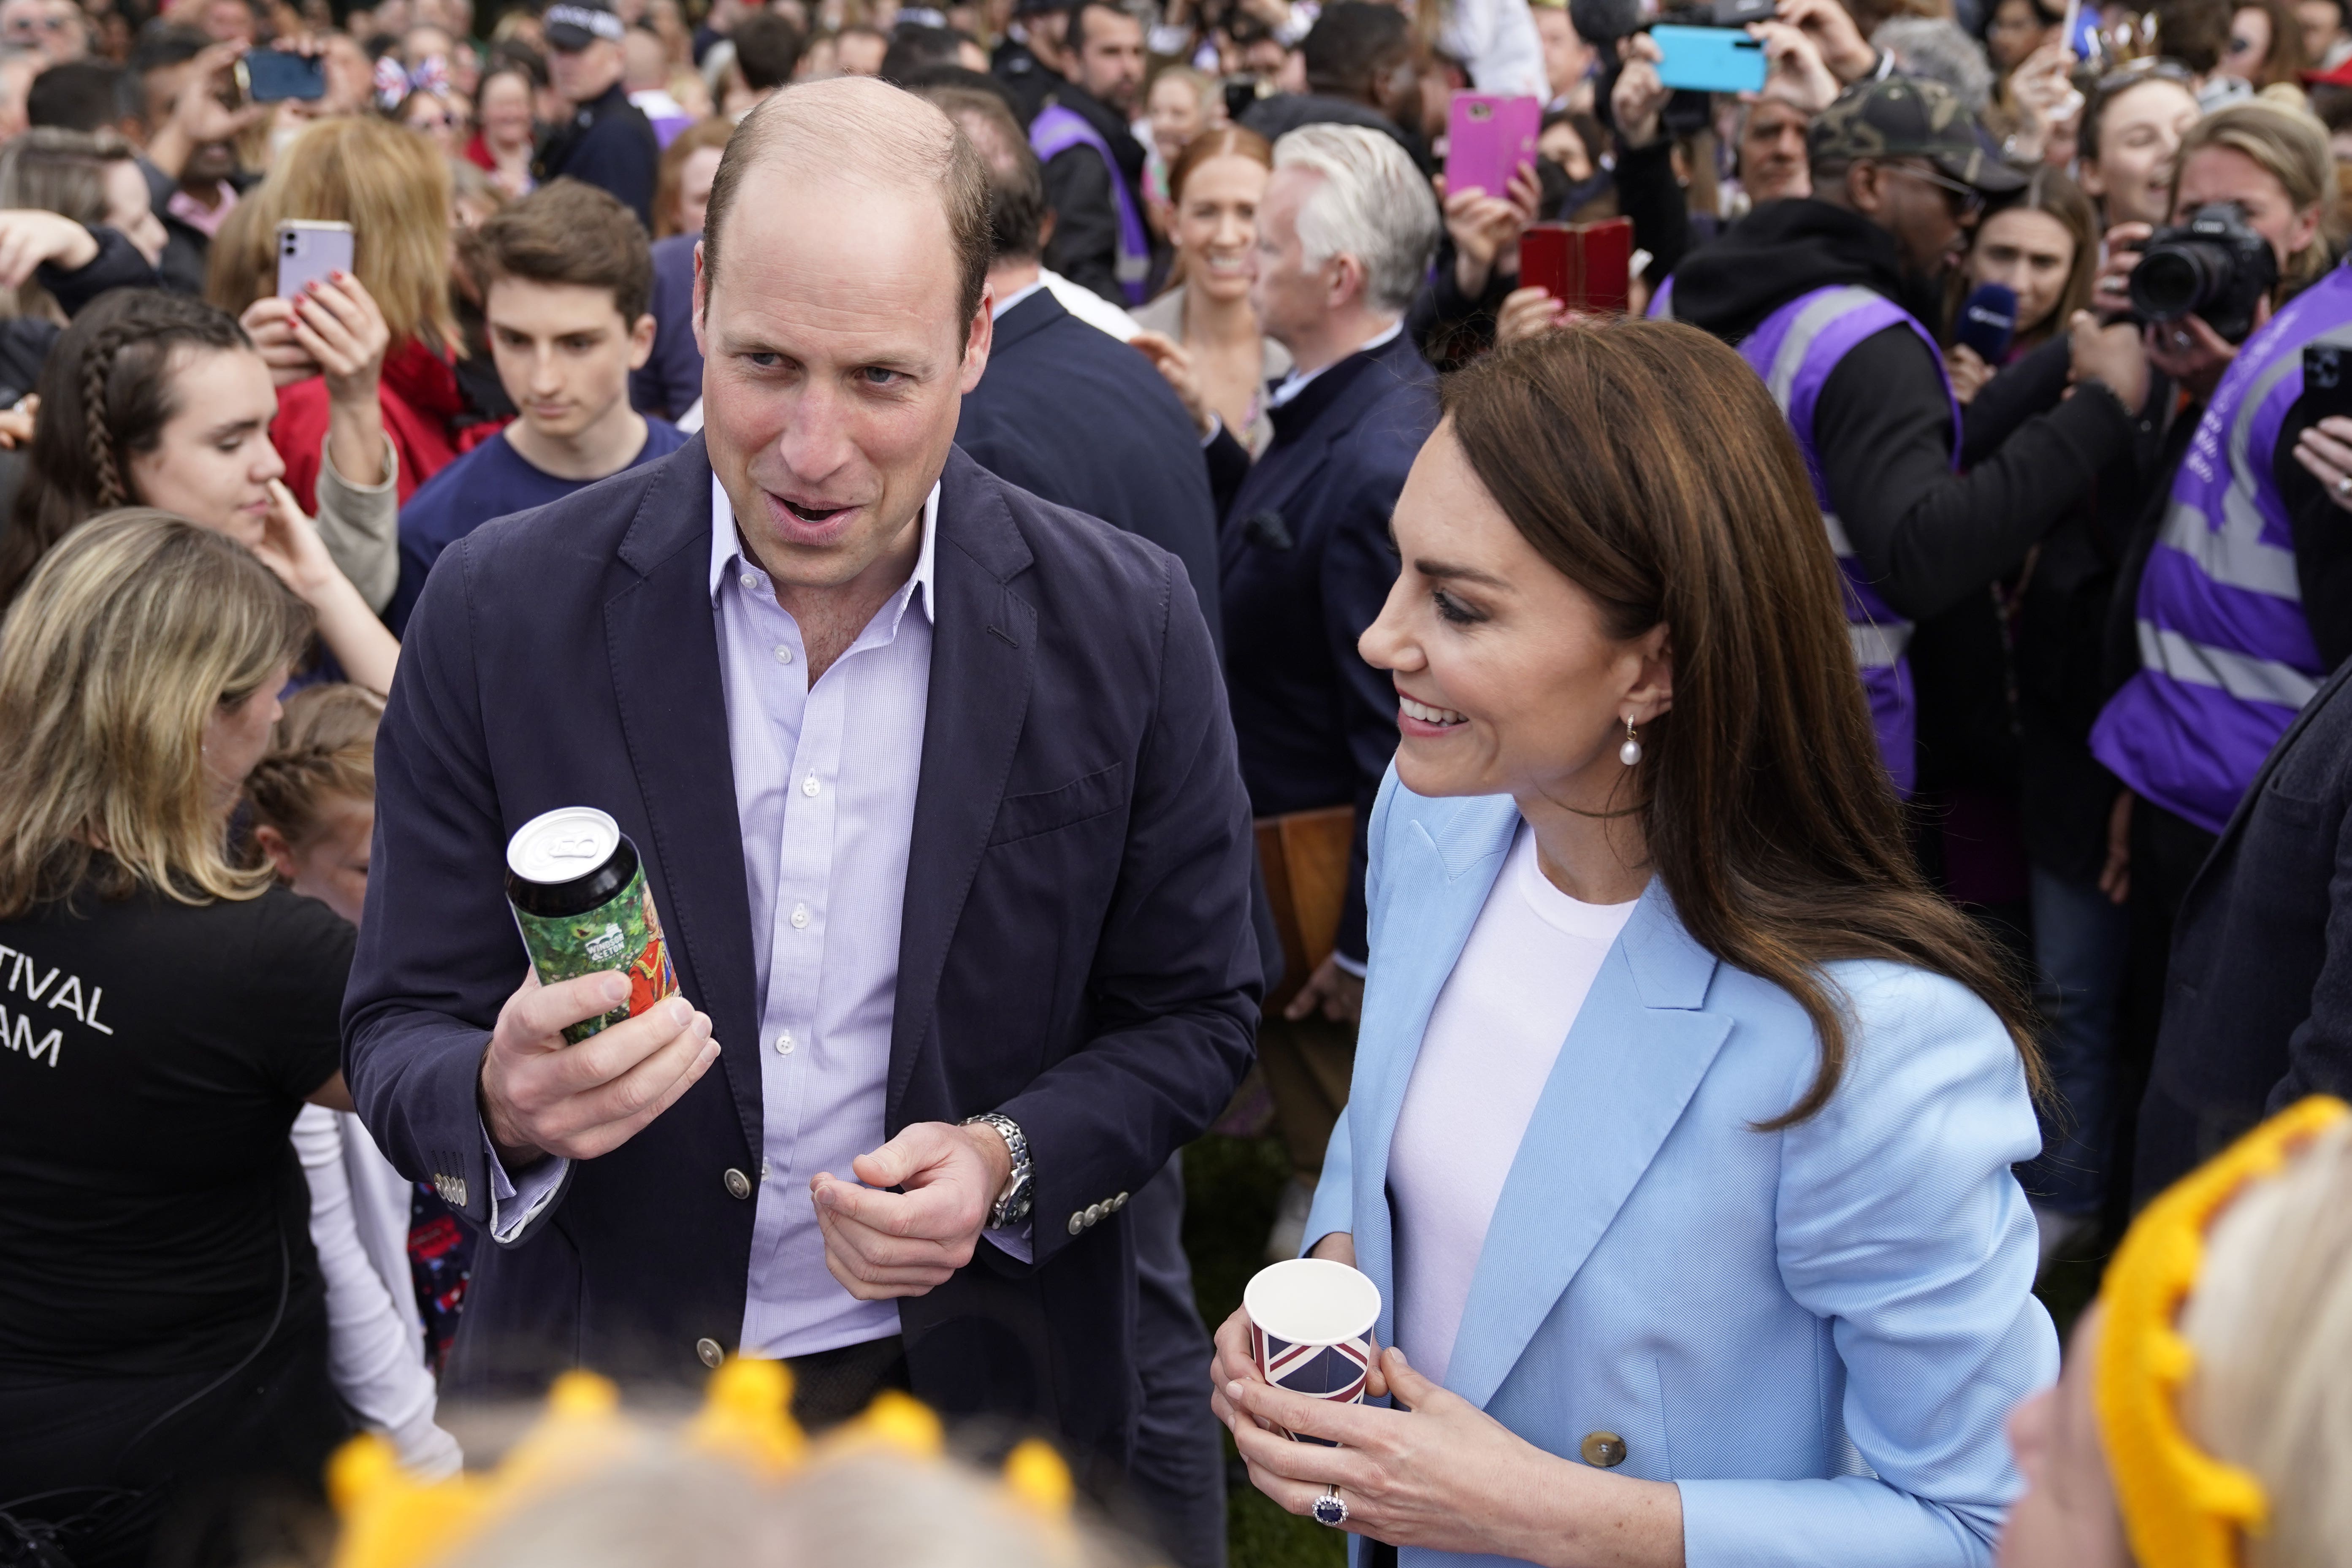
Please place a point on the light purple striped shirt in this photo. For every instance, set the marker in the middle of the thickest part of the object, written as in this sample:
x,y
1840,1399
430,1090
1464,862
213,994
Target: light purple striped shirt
x,y
825,791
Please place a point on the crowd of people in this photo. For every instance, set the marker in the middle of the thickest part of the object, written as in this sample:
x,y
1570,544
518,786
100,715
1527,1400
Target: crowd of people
x,y
1109,595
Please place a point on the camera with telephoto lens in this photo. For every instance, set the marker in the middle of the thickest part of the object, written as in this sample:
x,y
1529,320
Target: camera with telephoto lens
x,y
2214,265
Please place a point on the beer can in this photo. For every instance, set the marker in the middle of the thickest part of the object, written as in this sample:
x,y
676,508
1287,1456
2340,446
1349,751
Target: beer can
x,y
581,902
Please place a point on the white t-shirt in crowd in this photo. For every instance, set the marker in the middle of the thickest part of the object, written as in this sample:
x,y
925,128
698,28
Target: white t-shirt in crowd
x,y
1492,1039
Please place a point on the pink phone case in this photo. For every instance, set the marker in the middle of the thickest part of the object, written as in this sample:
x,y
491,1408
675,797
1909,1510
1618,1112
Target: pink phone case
x,y
1488,136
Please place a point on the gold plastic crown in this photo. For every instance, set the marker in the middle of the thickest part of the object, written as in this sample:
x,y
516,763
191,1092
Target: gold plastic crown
x,y
2182,1508
390,1520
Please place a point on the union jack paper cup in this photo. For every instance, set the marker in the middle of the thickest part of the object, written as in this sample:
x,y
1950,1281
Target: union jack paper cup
x,y
1311,1330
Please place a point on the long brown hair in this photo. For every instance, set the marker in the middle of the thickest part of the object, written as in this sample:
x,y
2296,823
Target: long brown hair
x,y
1646,462
391,185
108,389
131,634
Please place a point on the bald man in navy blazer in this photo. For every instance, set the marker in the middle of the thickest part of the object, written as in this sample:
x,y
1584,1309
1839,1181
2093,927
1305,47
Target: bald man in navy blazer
x,y
937,796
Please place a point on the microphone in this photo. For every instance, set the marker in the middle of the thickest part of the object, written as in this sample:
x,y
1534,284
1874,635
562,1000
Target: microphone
x,y
1988,320
1602,21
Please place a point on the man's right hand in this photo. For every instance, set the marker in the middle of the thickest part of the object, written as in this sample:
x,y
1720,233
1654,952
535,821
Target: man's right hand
x,y
2111,352
541,1096
1639,97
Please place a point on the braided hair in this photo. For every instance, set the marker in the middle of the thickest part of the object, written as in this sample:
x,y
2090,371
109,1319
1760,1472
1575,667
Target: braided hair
x,y
106,397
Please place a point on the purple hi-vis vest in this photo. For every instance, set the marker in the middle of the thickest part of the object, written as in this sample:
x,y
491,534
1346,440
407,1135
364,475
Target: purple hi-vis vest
x,y
2226,656
1057,129
1795,351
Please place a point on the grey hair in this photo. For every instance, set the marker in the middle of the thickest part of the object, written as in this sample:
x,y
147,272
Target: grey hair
x,y
1939,50
1372,205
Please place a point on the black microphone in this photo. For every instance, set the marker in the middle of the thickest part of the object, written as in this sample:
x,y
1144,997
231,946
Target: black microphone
x,y
1988,320
1602,21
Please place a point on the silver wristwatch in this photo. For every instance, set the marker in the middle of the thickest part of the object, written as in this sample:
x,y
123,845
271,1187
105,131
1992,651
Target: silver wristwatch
x,y
1013,1203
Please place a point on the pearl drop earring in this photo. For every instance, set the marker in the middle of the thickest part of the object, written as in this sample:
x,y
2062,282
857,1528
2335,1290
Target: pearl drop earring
x,y
1631,751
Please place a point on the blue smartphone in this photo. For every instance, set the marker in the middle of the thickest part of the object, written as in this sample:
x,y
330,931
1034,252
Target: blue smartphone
x,y
1709,59
272,75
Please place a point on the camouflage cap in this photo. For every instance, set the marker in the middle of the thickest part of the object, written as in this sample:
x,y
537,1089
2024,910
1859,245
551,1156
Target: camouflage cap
x,y
1907,117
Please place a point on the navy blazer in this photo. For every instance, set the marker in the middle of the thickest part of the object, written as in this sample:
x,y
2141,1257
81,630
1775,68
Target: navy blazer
x,y
2258,997
1305,565
670,380
1072,415
1076,949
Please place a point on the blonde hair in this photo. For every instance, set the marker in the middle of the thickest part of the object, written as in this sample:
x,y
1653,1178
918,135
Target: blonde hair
x,y
323,749
129,634
685,1511
2291,146
2271,1321
391,185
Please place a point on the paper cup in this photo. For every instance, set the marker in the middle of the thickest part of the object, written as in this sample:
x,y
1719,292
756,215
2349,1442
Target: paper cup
x,y
1311,1330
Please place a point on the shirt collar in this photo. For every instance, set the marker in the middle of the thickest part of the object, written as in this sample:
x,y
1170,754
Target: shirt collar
x,y
996,312
1293,384
726,547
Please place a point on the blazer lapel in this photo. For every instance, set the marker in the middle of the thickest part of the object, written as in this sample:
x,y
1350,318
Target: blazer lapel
x,y
1633,1058
983,654
1446,874
663,645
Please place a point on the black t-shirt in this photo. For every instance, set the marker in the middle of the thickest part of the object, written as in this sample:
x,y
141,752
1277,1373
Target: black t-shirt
x,y
156,1055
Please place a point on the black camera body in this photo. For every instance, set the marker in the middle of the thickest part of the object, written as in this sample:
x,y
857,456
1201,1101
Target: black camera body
x,y
2214,266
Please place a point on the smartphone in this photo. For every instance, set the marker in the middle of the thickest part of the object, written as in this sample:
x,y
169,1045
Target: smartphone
x,y
308,251
1607,265
1586,267
1487,138
272,75
1709,59
2327,380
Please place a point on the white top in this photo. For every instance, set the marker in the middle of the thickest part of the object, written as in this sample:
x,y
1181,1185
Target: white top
x,y
375,1340
1492,1039
1496,40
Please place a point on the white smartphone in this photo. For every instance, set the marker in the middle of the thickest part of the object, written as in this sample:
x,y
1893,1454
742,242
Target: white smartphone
x,y
309,250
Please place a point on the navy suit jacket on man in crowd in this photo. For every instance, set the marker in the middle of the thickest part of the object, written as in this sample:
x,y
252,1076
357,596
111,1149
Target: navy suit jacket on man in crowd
x,y
1076,949
1307,564
1069,413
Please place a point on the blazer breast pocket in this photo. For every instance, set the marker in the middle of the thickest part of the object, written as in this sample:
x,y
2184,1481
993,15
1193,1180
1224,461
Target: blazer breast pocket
x,y
1048,811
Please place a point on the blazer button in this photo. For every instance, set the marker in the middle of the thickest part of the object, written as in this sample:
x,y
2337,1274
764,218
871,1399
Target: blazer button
x,y
1116,1204
1602,1450
739,1186
1077,1222
711,1354
1094,1213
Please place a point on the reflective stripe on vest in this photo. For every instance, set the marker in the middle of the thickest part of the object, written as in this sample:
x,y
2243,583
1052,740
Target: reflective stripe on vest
x,y
1795,350
1057,130
2226,654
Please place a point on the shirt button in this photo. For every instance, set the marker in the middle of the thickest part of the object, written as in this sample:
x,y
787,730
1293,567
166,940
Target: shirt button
x,y
749,581
783,654
809,786
739,1186
784,1044
800,917
709,1352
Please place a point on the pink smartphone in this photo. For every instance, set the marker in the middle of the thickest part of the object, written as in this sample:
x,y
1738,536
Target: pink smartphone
x,y
309,250
1487,137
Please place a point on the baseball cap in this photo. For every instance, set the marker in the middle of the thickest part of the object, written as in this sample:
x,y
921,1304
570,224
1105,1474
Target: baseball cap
x,y
577,24
1908,117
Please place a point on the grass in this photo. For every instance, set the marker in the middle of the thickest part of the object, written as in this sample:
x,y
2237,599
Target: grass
x,y
1230,1188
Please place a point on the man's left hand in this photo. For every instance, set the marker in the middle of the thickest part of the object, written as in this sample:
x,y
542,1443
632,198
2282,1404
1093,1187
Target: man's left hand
x,y
881,1244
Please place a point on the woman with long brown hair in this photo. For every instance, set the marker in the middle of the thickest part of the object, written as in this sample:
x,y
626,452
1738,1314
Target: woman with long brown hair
x,y
1202,334
1680,1136
167,1012
391,185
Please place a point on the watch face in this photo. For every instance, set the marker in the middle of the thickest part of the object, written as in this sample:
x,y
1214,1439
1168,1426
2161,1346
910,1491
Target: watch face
x,y
1015,1206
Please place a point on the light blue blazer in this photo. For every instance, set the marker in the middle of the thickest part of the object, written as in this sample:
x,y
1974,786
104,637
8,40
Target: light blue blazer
x,y
1816,1333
